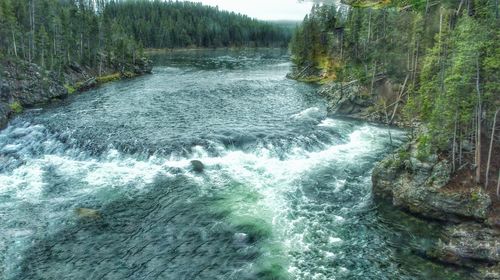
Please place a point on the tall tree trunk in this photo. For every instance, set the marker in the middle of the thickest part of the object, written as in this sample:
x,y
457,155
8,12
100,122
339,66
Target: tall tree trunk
x,y
460,148
454,148
14,42
479,113
492,139
53,54
369,26
30,40
496,8
498,184
43,54
342,45
400,96
387,122
373,78
415,66
459,7
81,47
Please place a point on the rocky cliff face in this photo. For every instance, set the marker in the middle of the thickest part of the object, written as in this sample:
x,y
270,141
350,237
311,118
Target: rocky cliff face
x,y
346,99
378,104
24,84
419,185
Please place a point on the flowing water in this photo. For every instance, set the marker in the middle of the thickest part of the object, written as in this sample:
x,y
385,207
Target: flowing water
x,y
285,193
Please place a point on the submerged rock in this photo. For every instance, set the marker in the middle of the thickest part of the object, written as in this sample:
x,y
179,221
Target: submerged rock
x,y
197,166
240,238
88,213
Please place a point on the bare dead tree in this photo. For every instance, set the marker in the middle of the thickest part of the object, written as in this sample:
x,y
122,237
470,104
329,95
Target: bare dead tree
x,y
492,139
387,122
498,184
400,96
14,42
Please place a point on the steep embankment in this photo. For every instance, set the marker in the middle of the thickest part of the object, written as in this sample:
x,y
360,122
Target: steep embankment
x,y
426,186
377,64
24,84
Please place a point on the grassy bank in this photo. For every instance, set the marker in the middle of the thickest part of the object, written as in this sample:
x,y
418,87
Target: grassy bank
x,y
94,82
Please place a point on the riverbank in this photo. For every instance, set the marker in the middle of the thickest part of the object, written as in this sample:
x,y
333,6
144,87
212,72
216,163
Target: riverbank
x,y
381,102
25,85
151,51
426,185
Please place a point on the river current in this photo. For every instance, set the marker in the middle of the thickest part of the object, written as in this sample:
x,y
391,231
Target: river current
x,y
101,185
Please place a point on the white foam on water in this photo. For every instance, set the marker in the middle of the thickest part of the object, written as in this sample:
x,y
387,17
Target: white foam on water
x,y
328,123
334,240
271,177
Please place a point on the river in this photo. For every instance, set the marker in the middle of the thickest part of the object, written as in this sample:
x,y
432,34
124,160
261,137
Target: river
x,y
285,194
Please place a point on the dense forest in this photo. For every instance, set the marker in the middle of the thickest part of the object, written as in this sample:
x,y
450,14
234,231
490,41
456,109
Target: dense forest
x,y
158,24
445,57
55,33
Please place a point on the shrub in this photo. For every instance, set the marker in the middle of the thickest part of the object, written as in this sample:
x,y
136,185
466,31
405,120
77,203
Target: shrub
x,y
108,78
70,89
16,107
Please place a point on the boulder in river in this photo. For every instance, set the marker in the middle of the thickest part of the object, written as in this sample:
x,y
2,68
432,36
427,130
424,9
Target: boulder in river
x,y
197,166
88,213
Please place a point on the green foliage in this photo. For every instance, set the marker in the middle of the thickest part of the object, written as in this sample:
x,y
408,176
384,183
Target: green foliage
x,y
169,24
353,43
16,107
108,78
439,47
403,155
475,195
114,33
70,88
424,148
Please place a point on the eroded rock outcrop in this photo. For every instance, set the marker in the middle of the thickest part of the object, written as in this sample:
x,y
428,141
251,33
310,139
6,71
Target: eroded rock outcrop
x,y
24,84
418,185
468,244
346,98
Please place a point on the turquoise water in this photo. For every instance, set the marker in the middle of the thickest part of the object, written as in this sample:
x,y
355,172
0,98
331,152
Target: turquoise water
x,y
286,191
